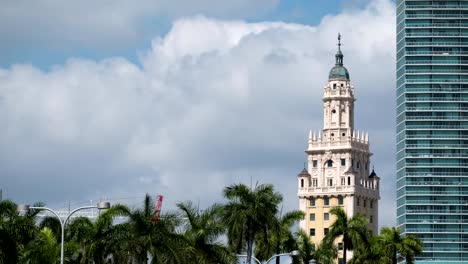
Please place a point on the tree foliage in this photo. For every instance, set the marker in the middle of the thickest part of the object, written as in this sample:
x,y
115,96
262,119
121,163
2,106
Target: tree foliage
x,y
248,219
248,213
353,231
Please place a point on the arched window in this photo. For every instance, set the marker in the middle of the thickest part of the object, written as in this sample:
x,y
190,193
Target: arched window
x,y
302,183
329,163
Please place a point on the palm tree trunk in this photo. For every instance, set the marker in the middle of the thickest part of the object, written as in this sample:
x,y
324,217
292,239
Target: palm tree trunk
x,y
345,247
277,252
394,256
250,241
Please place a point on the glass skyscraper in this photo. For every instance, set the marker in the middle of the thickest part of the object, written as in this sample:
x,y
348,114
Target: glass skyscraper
x,y
432,127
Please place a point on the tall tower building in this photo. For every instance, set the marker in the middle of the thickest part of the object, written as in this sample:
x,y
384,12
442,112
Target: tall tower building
x,y
339,171
432,127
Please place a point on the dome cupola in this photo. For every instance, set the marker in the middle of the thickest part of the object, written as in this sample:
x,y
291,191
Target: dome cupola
x,y
339,72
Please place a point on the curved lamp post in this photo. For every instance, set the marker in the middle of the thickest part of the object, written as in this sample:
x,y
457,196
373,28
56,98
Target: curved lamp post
x,y
291,254
258,261
26,207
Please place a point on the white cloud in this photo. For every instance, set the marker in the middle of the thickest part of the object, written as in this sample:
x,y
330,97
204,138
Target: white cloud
x,y
214,102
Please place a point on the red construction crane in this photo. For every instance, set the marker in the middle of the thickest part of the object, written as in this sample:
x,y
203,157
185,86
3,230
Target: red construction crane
x,y
157,209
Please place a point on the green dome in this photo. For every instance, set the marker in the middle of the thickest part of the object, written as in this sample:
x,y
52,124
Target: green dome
x,y
339,72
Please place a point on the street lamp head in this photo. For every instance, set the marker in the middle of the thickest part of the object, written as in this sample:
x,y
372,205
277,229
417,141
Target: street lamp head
x,y
312,261
23,208
295,253
103,205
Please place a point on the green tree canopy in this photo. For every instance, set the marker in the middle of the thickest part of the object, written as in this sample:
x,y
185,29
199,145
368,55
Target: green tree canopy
x,y
248,213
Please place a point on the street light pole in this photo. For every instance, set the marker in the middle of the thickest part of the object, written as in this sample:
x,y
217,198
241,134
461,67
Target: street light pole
x,y
291,254
101,205
258,261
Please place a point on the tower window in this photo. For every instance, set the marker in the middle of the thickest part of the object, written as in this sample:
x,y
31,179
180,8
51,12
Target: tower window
x,y
330,182
343,162
315,182
343,181
357,165
340,200
349,180
302,183
326,201
333,111
334,86
341,85
312,217
312,202
344,134
314,163
371,204
329,163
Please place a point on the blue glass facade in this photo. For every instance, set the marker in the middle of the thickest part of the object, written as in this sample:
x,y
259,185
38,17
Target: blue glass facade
x,y
432,127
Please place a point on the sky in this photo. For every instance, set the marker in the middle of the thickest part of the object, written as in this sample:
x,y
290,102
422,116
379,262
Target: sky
x,y
110,100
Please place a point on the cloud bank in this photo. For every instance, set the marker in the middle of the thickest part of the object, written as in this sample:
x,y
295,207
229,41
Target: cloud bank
x,y
211,103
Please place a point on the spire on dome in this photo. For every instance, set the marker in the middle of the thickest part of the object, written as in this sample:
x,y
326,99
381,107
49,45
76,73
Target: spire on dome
x,y
339,54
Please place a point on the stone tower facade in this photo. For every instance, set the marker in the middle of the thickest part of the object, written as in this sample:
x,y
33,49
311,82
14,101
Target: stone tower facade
x,y
339,169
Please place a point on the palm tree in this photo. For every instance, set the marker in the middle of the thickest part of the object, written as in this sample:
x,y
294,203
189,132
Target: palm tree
x,y
391,241
374,254
16,230
354,230
249,213
91,240
305,246
143,239
44,249
280,238
8,242
53,224
203,231
326,252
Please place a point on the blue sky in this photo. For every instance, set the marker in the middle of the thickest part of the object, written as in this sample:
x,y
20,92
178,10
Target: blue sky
x,y
182,97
